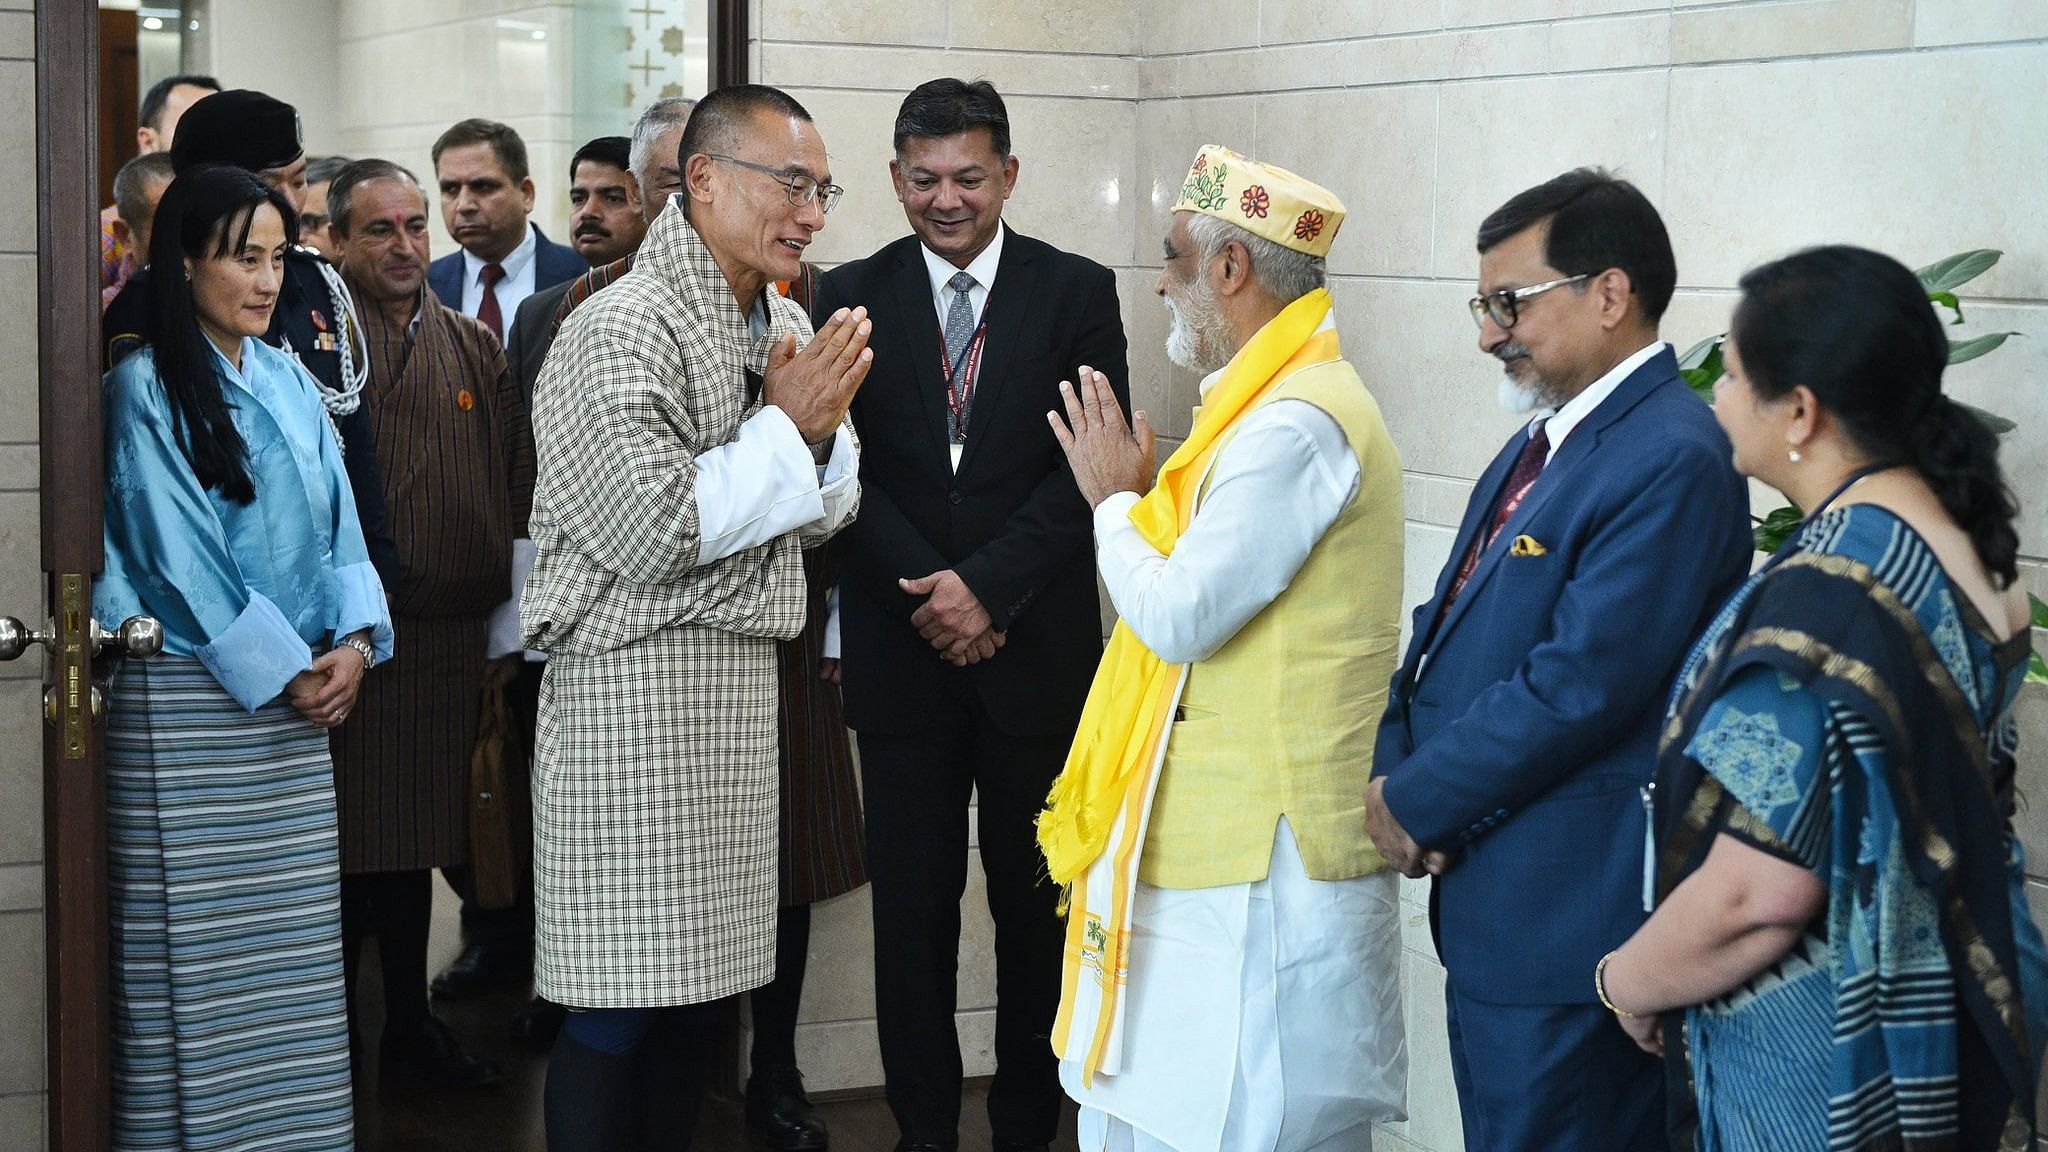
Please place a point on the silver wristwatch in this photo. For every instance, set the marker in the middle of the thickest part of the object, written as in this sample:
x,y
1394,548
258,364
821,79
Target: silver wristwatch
x,y
363,646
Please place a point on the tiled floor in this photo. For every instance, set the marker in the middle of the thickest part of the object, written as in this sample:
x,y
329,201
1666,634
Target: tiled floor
x,y
506,1117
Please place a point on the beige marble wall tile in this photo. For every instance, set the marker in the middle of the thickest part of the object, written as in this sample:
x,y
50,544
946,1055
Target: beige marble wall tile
x,y
21,1117
1376,149
19,347
2031,821
1047,25
18,36
21,887
1621,42
21,768
1499,137
1517,50
839,977
1432,1094
1467,13
1429,550
1292,21
18,140
21,1002
1399,59
1415,345
1805,28
1078,189
1169,26
1768,158
1977,21
21,572
1169,134
853,22
1145,324
1158,77
976,989
898,70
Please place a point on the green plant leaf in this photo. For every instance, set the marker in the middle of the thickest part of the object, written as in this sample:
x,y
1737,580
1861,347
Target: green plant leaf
x,y
1948,300
2037,669
2040,610
1772,531
1957,270
1992,420
1696,356
1961,351
1700,382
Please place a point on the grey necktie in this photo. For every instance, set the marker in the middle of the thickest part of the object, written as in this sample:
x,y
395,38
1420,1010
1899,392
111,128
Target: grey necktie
x,y
959,330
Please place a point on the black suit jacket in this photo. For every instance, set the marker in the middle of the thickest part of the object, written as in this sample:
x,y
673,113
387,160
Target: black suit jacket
x,y
533,330
1010,521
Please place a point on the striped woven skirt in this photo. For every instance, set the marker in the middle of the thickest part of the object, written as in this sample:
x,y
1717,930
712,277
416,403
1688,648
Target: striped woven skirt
x,y
230,1030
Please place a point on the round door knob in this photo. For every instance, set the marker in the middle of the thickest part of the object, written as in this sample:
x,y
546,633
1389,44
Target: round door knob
x,y
15,638
141,636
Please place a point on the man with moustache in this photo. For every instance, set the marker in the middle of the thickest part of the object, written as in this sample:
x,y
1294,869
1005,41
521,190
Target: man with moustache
x,y
691,451
1521,731
314,319
606,222
969,617
486,202
457,468
1211,815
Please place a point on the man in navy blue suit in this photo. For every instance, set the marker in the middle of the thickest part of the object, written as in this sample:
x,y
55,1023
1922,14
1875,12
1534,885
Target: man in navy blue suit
x,y
486,199
1522,727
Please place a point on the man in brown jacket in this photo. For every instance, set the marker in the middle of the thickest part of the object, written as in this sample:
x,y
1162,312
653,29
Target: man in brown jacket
x,y
456,460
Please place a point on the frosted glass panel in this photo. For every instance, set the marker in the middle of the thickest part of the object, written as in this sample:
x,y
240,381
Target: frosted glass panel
x,y
630,53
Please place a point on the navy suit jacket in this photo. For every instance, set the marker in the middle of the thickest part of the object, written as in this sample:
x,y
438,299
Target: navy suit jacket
x,y
552,264
1521,744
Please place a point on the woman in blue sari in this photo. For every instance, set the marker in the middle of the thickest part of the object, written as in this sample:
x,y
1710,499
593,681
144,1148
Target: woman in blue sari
x,y
1840,952
229,519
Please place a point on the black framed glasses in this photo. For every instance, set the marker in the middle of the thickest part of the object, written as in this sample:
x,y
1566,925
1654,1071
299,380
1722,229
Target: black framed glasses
x,y
1504,307
803,188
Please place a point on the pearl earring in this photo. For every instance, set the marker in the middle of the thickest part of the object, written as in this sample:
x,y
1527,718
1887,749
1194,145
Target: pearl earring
x,y
1793,455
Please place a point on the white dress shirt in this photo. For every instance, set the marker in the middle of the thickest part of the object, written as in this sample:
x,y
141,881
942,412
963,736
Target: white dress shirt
x,y
983,269
1558,424
1272,492
514,288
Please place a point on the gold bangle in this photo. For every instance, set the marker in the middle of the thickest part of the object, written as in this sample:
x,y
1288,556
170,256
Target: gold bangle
x,y
1600,988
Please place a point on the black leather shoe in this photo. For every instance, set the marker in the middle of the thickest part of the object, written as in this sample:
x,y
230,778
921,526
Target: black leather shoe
x,y
433,1056
781,1115
921,1146
539,1022
478,969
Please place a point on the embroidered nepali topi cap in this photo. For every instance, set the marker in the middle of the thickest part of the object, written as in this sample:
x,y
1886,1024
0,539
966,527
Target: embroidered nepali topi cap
x,y
1261,199
239,127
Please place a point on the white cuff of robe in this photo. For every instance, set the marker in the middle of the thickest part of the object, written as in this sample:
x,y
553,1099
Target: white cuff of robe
x,y
762,485
839,476
504,632
257,655
830,649
363,605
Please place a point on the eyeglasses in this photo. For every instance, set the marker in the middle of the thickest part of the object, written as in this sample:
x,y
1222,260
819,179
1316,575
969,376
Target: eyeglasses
x,y
1505,306
802,188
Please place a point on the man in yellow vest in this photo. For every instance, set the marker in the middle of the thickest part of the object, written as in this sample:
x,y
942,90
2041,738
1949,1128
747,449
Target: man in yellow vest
x,y
1233,937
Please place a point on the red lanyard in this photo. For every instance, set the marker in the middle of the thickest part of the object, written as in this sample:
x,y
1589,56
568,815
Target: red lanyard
x,y
960,388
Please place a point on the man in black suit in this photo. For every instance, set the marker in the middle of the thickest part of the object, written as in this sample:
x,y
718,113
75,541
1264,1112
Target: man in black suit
x,y
606,223
970,626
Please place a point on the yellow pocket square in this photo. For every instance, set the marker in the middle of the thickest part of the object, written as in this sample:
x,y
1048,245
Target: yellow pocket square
x,y
1527,546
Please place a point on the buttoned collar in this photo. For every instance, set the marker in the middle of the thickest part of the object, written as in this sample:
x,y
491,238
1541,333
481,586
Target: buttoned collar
x,y
473,267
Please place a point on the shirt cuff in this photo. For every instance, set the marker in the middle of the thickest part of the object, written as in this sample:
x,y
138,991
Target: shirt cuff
x,y
758,487
364,605
830,648
257,655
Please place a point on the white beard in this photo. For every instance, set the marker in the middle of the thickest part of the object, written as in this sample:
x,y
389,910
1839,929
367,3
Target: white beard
x,y
1515,399
1191,341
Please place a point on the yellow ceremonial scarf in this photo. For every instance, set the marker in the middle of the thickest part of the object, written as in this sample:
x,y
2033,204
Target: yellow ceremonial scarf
x,y
1116,747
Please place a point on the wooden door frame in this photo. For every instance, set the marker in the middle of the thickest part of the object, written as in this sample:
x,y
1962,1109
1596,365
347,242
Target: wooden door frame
x,y
74,778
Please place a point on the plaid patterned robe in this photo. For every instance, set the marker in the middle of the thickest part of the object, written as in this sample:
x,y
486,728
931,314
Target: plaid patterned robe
x,y
655,769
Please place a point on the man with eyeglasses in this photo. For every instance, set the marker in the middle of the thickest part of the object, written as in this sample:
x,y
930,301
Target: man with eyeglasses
x,y
1522,727
968,602
689,451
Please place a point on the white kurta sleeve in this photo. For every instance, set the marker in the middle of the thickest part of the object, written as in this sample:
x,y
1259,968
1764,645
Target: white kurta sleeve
x,y
764,485
1273,491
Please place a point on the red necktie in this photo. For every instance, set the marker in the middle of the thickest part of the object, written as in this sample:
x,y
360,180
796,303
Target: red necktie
x,y
1528,466
487,311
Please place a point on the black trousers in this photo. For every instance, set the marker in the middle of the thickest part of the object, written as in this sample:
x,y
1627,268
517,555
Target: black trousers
x,y
916,791
396,908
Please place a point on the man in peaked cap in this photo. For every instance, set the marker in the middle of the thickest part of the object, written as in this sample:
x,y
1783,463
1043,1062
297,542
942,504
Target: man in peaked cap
x,y
1231,971
315,319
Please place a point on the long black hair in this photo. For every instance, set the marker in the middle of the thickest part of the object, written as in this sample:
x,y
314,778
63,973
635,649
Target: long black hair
x,y
1856,327
205,214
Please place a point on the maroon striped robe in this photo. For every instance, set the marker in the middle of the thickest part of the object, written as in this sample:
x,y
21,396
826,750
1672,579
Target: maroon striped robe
x,y
455,454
